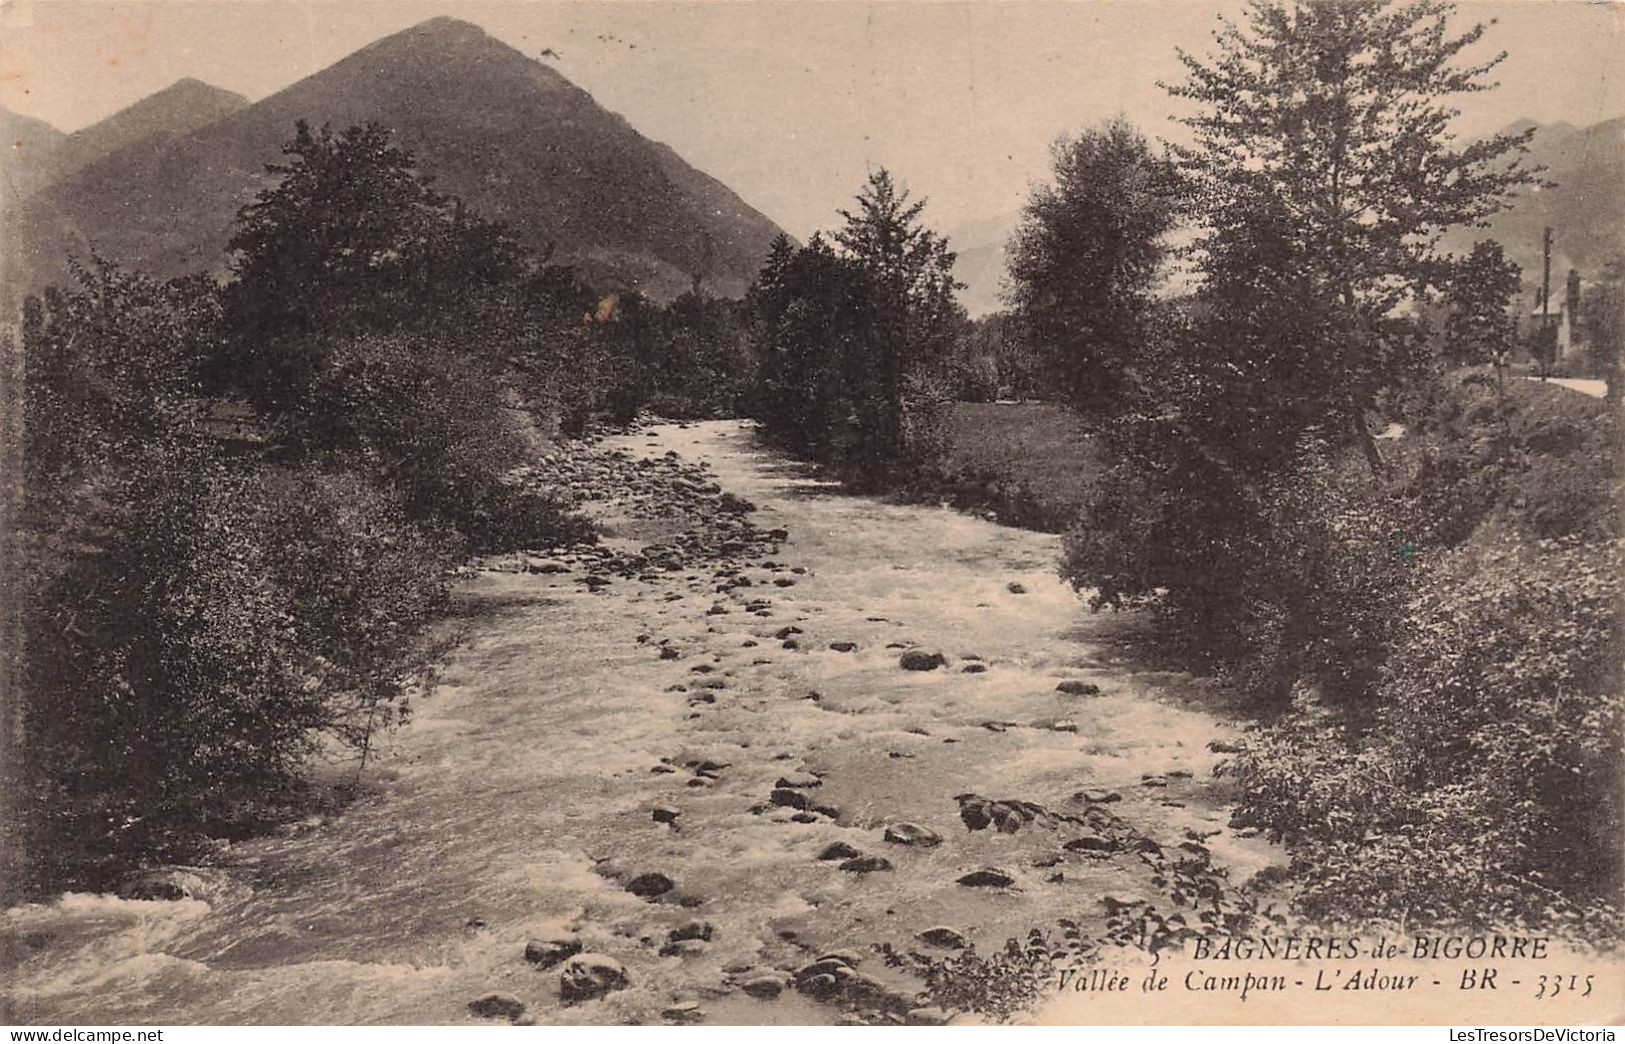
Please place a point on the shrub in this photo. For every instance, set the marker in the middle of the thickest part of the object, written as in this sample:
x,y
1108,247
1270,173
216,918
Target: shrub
x,y
433,425
1485,789
184,665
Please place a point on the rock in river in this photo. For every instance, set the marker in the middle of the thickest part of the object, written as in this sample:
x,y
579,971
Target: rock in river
x,y
915,660
988,877
650,886
912,834
589,975
545,953
866,864
497,1006
839,850
943,936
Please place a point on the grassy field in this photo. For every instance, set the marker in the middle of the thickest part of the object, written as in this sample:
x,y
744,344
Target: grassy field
x,y
1028,463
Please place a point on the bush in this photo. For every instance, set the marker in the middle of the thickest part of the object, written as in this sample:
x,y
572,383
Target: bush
x,y
184,666
1486,789
432,424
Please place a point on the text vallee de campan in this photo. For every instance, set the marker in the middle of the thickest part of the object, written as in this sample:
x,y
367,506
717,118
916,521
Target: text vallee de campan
x,y
1349,948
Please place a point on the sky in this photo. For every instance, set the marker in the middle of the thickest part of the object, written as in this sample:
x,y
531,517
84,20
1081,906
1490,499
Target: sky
x,y
790,104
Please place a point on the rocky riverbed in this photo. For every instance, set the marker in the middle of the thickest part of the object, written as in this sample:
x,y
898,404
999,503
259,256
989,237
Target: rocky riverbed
x,y
767,753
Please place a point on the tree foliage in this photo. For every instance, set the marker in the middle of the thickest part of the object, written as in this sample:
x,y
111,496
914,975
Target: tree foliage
x,y
1333,121
855,338
1084,262
1480,328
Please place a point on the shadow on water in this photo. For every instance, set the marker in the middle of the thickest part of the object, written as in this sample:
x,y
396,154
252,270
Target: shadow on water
x,y
1137,644
494,606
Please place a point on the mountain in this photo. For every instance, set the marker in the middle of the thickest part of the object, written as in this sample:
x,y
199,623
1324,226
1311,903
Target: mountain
x,y
980,263
25,161
1584,206
513,138
177,109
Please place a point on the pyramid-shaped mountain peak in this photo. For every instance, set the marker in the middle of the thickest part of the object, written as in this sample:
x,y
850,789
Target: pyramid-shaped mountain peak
x,y
512,137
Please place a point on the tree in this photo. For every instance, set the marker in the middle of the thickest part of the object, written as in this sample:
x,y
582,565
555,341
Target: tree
x,y
918,321
112,366
1085,259
1338,113
352,238
1602,321
1479,326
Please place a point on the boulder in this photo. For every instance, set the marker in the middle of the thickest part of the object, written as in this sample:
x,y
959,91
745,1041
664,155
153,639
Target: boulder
x,y
546,952
930,1016
589,975
987,877
843,647
650,885
912,834
943,936
685,1014
497,1006
1093,843
799,780
763,987
1078,688
866,864
1015,588
839,850
785,797
692,930
916,660
683,948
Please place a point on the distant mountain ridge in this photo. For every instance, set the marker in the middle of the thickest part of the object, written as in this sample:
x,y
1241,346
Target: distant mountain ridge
x,y
1585,205
510,136
179,108
26,148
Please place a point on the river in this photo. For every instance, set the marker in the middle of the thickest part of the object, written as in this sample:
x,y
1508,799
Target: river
x,y
521,799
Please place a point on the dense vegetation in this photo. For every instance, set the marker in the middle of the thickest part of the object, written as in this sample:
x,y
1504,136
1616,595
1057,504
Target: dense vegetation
x,y
242,502
854,340
1429,622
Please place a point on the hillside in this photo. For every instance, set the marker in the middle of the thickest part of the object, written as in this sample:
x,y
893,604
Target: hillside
x,y
516,140
1585,205
25,160
177,109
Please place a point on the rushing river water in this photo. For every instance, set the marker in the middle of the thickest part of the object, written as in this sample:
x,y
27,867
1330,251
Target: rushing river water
x,y
519,800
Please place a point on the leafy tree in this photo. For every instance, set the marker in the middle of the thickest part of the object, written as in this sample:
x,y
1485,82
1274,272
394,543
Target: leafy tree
x,y
112,365
1334,117
352,238
1085,259
815,343
1322,171
1602,322
1479,326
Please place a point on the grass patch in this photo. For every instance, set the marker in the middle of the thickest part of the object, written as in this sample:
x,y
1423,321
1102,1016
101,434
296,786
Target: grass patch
x,y
1030,464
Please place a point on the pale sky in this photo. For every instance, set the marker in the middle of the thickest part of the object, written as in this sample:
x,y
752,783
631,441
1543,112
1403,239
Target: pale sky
x,y
790,104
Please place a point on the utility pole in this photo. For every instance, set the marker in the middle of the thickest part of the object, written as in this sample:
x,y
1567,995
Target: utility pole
x,y
1547,354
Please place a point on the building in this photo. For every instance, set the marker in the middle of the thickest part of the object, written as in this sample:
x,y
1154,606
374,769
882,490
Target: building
x,y
1557,324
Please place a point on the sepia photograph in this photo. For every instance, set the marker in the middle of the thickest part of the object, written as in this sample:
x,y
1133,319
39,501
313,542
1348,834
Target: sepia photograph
x,y
583,513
